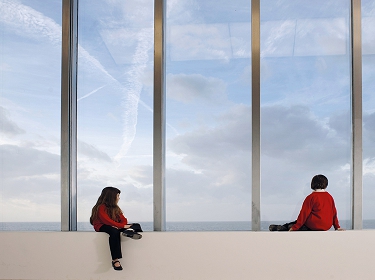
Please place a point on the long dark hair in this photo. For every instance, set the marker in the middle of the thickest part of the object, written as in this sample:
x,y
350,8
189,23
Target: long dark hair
x,y
109,198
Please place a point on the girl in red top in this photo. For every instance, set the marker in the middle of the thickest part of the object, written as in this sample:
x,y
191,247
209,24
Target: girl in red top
x,y
318,211
107,217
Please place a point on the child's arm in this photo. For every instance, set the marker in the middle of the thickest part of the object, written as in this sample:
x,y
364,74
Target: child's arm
x,y
303,214
102,214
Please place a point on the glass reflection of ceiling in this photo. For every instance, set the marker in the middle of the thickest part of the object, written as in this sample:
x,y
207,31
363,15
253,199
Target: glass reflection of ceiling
x,y
282,38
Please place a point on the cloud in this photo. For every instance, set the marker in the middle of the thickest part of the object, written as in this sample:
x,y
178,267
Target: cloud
x,y
7,126
26,21
369,135
296,144
30,182
92,152
22,161
194,87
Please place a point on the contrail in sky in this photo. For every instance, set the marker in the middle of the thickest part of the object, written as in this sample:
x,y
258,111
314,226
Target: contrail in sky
x,y
91,92
32,23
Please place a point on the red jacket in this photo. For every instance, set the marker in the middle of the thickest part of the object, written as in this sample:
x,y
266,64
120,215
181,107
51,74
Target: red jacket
x,y
318,212
104,219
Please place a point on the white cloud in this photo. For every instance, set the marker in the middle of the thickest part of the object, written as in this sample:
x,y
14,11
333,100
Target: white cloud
x,y
28,22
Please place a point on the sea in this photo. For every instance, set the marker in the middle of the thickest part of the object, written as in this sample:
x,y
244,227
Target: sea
x,y
170,226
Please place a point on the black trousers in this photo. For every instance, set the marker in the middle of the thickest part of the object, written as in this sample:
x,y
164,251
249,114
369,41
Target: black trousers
x,y
115,238
287,226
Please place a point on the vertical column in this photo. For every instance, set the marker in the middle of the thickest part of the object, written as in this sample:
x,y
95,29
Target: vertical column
x,y
356,181
255,81
159,115
69,116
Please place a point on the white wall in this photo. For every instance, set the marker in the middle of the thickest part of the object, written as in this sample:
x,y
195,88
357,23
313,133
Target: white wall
x,y
190,255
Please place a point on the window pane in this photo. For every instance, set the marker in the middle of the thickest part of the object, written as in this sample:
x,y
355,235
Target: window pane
x,y
368,89
305,95
30,63
208,175
115,77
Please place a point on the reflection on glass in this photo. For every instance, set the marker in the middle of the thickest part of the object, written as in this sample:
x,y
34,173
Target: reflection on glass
x,y
208,84
368,89
305,104
115,65
30,63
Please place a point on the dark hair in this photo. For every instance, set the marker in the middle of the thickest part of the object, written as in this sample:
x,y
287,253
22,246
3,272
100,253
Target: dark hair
x,y
319,182
109,198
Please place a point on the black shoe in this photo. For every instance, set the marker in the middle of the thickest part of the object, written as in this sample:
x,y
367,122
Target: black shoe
x,y
116,267
277,228
273,227
131,234
281,228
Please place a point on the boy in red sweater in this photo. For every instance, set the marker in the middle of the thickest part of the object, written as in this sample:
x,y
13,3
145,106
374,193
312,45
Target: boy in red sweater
x,y
318,211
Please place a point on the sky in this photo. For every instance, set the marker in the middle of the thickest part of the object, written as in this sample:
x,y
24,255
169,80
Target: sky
x,y
305,107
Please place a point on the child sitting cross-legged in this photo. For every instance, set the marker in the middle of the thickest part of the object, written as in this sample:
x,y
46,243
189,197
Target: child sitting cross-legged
x,y
318,210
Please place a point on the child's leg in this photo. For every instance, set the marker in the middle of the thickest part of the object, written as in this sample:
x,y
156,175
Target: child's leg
x,y
136,227
289,225
114,241
284,227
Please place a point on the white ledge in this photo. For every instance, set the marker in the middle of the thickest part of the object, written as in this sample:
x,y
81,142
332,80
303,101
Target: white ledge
x,y
190,255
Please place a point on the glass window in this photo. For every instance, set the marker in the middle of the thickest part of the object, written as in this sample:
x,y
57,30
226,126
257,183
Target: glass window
x,y
115,100
208,115
30,63
305,104
368,89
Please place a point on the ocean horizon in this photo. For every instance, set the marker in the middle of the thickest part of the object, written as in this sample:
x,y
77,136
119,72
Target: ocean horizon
x,y
170,226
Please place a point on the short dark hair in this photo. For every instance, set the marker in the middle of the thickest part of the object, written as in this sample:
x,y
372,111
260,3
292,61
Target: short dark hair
x,y
319,182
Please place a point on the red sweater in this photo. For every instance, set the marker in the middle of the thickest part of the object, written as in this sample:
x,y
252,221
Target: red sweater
x,y
318,212
104,219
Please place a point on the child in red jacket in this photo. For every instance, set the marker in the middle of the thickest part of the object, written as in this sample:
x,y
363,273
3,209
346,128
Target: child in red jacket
x,y
107,217
318,211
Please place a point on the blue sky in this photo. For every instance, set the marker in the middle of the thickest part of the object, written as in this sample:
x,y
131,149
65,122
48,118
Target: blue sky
x,y
305,95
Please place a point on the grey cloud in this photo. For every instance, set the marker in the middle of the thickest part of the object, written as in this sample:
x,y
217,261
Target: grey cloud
x,y
233,134
91,152
20,161
188,88
341,124
295,146
369,135
288,128
28,173
7,126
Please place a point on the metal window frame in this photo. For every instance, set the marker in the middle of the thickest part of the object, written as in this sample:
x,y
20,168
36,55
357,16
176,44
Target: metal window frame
x,y
255,115
159,116
356,112
69,115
